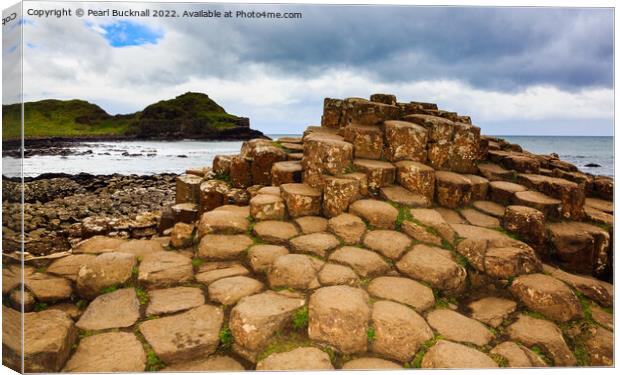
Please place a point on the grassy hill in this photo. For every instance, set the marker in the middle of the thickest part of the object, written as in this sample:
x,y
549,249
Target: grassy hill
x,y
191,115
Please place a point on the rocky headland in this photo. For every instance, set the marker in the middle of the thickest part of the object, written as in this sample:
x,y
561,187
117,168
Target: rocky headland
x,y
394,235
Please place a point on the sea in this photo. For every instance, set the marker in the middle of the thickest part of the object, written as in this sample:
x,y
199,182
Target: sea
x,y
153,157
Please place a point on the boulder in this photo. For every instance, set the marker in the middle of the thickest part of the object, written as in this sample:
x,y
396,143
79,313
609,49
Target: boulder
x,y
21,298
229,290
389,243
416,177
597,290
420,233
106,270
405,141
452,189
316,243
261,257
267,207
286,172
294,271
377,213
349,228
339,315
263,158
188,189
383,98
363,262
379,173
508,262
185,212
602,317
222,247
492,310
599,344
402,290
221,164
186,336
311,224
580,247
367,140
446,354
240,172
172,300
256,318
335,274
165,268
324,155
546,335
548,296
456,327
300,359
108,352
301,199
426,264
275,232
223,222
118,309
338,193
47,288
399,331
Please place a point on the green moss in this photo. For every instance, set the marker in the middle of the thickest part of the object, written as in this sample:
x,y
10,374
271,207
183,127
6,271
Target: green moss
x,y
40,306
404,214
371,334
134,271
84,334
417,360
222,176
541,353
500,360
41,269
300,318
581,355
142,295
197,262
512,235
535,314
153,363
81,304
284,343
226,338
351,168
462,260
110,289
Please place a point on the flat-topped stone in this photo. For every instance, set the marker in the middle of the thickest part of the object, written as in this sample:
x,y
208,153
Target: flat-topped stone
x,y
324,154
223,222
450,216
301,199
172,300
267,207
535,199
494,172
546,335
336,274
426,264
433,219
367,140
446,354
403,196
108,352
479,186
339,316
477,218
580,247
598,216
379,173
503,192
402,290
185,336
509,262
118,309
222,247
106,270
518,355
182,235
452,189
456,327
490,208
311,224
209,272
399,331
377,213
211,363
599,291
165,268
527,222
141,247
600,204
229,290
547,296
363,262
261,257
370,363
48,288
316,243
602,317
570,193
492,310
98,245
416,177
389,243
300,359
275,232
294,271
350,228
405,141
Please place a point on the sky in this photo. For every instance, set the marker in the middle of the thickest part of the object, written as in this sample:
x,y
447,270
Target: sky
x,y
515,71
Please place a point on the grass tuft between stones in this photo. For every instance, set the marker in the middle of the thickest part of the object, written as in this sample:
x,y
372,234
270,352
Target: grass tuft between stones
x,y
300,318
142,295
371,335
226,338
500,360
417,360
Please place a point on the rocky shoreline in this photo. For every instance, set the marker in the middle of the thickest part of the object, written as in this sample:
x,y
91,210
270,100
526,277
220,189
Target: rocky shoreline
x,y
394,235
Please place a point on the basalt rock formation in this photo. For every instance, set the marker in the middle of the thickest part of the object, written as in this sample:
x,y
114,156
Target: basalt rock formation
x,y
393,235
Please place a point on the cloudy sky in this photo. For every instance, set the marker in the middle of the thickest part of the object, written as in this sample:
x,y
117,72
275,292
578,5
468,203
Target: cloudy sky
x,y
545,71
